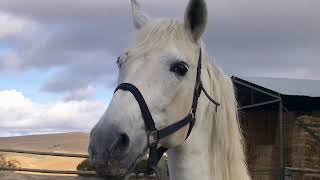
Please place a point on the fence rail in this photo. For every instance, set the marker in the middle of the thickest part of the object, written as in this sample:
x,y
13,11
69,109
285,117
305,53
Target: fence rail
x,y
303,170
45,153
84,173
91,173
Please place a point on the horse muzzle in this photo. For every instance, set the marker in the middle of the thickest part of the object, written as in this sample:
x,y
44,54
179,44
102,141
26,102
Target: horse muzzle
x,y
108,150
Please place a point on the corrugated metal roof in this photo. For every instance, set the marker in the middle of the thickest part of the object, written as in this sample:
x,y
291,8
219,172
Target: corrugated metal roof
x,y
295,87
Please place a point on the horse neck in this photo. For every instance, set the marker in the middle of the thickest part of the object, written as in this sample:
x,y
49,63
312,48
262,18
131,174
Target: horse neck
x,y
192,159
214,149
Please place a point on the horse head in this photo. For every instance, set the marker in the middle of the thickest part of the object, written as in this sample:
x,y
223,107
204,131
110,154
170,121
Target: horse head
x,y
162,63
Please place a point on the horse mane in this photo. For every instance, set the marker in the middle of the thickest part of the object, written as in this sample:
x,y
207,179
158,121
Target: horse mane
x,y
226,146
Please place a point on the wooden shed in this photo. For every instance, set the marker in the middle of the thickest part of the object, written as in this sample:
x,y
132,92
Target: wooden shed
x,y
269,112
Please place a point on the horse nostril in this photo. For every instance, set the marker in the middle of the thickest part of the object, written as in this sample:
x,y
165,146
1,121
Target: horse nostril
x,y
122,145
124,140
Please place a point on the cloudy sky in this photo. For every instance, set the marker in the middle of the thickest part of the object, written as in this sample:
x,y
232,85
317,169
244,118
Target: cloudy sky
x,y
57,57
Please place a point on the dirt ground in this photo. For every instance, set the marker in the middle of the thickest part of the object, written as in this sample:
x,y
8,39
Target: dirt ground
x,y
14,176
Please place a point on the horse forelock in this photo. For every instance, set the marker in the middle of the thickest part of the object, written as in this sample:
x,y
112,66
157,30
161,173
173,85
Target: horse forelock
x,y
159,33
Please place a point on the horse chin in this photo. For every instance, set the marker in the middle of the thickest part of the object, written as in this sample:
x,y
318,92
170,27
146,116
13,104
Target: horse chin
x,y
112,169
115,170
115,167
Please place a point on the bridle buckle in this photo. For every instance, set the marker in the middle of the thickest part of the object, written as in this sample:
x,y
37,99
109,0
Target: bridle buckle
x,y
153,138
192,113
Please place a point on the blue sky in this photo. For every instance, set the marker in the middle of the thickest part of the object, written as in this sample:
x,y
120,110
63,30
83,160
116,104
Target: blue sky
x,y
27,82
2,47
30,82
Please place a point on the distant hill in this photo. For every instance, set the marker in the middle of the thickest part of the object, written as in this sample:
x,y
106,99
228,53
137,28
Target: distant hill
x,y
65,142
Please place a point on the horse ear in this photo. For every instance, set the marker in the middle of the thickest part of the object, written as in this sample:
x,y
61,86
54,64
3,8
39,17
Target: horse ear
x,y
139,18
196,18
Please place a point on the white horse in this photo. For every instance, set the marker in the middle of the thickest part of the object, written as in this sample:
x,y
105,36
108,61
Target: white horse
x,y
162,64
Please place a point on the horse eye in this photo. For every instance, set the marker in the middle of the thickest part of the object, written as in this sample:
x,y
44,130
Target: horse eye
x,y
180,68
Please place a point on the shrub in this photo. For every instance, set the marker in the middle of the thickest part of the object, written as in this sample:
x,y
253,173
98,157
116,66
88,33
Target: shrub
x,y
4,163
85,166
141,167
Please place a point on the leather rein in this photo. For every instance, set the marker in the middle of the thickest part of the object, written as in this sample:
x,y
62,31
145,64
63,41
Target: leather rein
x,y
153,134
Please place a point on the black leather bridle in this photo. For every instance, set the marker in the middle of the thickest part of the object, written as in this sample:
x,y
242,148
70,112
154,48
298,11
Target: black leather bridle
x,y
154,135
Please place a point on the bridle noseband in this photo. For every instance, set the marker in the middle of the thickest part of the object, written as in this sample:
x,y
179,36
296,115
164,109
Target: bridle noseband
x,y
153,134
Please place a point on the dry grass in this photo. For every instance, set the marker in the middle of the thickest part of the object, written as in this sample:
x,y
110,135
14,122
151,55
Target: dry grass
x,y
5,163
305,148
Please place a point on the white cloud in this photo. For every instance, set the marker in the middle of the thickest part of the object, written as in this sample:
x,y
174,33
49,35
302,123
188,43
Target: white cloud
x,y
11,25
19,115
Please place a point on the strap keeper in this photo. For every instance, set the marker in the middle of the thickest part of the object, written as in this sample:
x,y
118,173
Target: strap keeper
x,y
198,89
193,113
153,138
